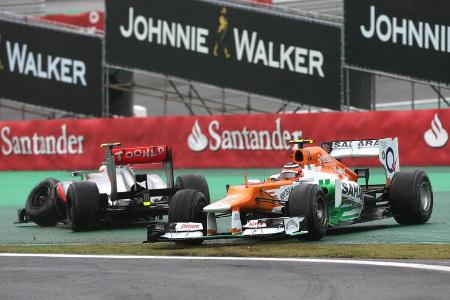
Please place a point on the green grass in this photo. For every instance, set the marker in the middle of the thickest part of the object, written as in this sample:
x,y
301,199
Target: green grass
x,y
260,249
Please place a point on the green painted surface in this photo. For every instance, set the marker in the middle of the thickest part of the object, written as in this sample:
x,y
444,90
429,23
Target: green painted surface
x,y
14,188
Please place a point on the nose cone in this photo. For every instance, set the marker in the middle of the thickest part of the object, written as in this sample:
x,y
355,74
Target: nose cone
x,y
217,207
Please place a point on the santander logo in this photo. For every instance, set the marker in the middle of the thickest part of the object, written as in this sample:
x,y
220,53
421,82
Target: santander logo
x,y
216,138
197,141
436,136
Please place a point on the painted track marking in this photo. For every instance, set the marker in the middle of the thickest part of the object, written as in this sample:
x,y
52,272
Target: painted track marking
x,y
269,259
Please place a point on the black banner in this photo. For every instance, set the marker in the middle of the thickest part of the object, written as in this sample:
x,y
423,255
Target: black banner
x,y
228,46
51,68
406,37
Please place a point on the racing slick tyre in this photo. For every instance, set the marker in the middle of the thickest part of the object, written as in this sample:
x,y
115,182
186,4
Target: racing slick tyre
x,y
187,206
40,205
411,197
83,203
193,182
310,201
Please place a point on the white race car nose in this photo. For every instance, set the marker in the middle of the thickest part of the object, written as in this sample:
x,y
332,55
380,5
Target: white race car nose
x,y
217,207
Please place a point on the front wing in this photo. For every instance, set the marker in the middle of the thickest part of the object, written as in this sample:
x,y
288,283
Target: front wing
x,y
261,228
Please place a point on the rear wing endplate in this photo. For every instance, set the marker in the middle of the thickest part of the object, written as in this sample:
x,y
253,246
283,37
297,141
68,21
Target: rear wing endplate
x,y
137,155
386,149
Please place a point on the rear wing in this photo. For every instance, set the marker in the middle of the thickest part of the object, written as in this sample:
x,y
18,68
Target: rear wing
x,y
136,155
386,149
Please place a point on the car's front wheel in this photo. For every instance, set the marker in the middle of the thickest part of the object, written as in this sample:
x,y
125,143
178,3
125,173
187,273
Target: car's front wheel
x,y
309,200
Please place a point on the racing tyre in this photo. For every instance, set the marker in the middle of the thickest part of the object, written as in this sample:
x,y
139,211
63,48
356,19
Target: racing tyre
x,y
193,182
411,197
187,206
83,202
310,201
40,205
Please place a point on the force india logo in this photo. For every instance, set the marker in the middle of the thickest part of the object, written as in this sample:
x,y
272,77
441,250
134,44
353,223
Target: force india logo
x,y
240,139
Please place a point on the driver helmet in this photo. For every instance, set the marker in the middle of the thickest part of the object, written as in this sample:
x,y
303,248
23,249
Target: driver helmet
x,y
290,171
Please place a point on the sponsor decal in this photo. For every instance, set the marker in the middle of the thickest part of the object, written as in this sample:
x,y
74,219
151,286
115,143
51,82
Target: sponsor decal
x,y
389,159
325,159
358,144
292,225
36,144
189,226
255,224
284,193
141,152
352,190
436,136
244,139
407,32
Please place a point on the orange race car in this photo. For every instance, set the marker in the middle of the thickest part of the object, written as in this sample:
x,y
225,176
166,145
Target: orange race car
x,y
313,192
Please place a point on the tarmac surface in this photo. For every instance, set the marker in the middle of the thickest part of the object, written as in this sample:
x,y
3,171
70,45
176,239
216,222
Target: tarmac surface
x,y
185,278
15,186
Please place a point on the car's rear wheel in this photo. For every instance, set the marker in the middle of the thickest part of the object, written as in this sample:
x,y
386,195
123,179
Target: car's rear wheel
x,y
40,205
83,204
411,197
193,182
309,200
187,206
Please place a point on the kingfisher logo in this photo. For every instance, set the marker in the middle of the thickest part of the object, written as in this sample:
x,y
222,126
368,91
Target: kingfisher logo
x,y
218,138
436,136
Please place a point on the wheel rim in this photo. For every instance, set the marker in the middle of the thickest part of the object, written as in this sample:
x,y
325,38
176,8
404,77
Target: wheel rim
x,y
320,210
40,197
425,196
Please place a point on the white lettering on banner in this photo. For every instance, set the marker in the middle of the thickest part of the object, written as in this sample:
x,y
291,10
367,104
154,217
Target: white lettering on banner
x,y
407,32
244,139
39,144
26,62
164,33
295,59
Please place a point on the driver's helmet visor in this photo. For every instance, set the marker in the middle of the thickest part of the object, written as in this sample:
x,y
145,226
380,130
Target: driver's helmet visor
x,y
288,175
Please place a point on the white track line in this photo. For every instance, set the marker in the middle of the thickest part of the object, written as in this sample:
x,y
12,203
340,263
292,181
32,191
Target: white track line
x,y
274,259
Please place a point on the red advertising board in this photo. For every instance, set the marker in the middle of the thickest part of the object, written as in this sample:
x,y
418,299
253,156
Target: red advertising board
x,y
92,19
250,141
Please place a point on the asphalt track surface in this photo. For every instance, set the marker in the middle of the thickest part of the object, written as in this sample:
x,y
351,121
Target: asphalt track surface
x,y
15,186
185,278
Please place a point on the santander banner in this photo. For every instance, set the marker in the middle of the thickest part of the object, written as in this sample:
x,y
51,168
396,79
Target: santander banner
x,y
250,141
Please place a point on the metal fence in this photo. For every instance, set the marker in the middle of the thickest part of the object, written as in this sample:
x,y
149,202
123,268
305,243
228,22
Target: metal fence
x,y
23,7
164,95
